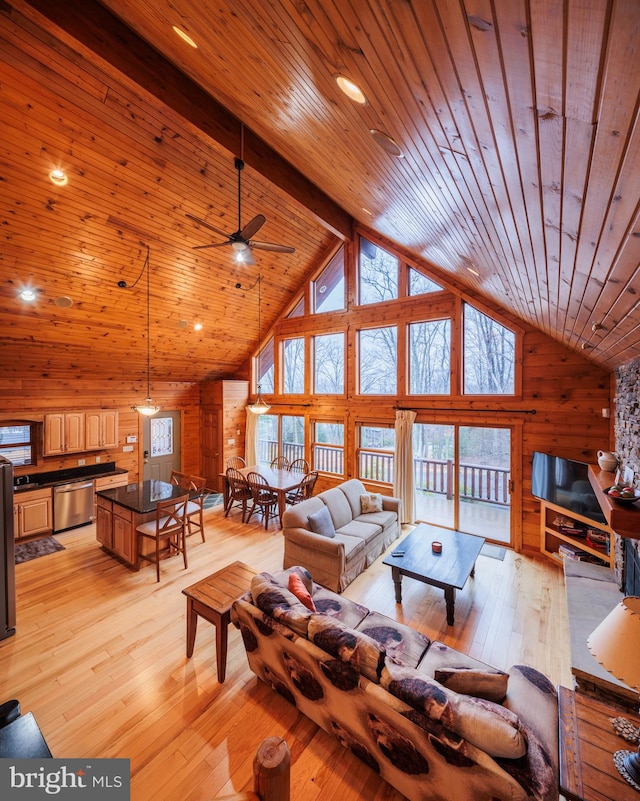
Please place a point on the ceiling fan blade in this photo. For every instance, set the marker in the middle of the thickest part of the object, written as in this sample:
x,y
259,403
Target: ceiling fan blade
x,y
270,246
212,245
207,225
253,226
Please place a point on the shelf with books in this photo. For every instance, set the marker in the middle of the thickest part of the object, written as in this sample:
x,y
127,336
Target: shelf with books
x,y
569,535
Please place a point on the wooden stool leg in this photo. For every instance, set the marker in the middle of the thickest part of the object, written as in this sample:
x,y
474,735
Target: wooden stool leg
x,y
222,637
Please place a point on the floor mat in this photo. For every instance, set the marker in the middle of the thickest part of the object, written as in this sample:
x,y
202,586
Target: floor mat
x,y
212,499
25,551
493,551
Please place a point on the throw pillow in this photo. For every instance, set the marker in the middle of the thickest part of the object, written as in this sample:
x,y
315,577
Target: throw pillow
x,y
296,585
279,603
363,653
320,522
370,502
488,726
489,684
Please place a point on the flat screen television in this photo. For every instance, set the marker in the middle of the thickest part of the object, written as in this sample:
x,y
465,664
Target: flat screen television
x,y
565,483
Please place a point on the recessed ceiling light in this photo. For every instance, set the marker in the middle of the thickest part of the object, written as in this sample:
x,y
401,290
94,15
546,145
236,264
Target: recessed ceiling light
x,y
197,327
58,177
184,36
63,302
28,294
387,143
351,90
473,272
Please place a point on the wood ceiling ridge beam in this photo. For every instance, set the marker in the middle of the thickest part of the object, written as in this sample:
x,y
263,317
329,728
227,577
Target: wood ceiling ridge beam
x,y
105,36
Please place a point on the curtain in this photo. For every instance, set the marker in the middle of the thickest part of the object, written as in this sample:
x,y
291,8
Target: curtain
x,y
251,439
403,464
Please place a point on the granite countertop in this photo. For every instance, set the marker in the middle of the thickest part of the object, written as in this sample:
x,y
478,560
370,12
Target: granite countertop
x,y
142,497
71,474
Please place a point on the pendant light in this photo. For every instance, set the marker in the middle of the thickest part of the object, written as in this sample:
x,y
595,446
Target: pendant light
x,y
147,408
259,407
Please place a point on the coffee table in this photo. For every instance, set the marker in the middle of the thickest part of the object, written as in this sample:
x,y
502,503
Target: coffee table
x,y
212,599
448,570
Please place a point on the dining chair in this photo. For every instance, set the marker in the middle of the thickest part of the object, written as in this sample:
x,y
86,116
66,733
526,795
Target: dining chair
x,y
304,489
280,463
179,479
238,491
195,505
236,461
170,525
264,499
299,465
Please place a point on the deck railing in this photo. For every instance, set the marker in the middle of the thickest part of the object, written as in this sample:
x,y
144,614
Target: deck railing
x,y
476,481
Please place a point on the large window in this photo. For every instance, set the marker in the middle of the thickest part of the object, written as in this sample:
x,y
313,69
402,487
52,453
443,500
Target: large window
x,y
419,284
280,435
328,364
430,358
376,451
328,447
265,368
17,443
293,378
328,289
489,355
378,274
378,354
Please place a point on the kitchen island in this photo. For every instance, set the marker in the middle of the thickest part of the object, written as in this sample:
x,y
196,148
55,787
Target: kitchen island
x,y
122,509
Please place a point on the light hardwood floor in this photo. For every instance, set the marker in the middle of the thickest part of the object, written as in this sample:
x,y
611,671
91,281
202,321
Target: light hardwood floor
x,y
99,658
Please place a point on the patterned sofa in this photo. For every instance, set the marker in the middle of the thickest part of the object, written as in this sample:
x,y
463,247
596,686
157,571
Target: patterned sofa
x,y
355,539
371,682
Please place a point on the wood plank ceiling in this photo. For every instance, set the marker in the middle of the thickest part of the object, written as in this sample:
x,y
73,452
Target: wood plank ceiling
x,y
517,121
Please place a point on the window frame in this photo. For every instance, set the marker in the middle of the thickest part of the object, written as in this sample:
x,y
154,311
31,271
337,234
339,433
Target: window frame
x,y
360,449
30,444
314,422
314,337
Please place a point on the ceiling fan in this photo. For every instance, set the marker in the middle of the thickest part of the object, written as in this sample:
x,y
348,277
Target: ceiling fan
x,y
241,240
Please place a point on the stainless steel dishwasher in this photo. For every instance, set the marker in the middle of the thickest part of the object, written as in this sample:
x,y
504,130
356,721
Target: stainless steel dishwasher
x,y
72,505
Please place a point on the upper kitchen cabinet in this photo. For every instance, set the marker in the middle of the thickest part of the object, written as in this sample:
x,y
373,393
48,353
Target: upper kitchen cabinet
x,y
64,433
74,432
101,430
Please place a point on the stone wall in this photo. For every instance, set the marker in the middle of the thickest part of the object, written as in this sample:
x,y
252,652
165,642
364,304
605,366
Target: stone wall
x,y
627,431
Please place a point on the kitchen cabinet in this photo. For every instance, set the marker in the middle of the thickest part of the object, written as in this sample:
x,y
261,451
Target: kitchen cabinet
x,y
104,526
32,513
107,482
101,429
115,530
64,433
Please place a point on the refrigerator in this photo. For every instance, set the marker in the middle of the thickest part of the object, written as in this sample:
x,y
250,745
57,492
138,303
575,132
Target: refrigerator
x,y
7,558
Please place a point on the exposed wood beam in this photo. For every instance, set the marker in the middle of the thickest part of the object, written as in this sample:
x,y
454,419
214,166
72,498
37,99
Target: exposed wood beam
x,y
96,28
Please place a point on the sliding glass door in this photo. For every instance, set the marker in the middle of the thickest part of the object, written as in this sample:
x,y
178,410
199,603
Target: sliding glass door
x,y
462,477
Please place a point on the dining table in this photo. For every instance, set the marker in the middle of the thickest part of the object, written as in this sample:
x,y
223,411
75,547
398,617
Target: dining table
x,y
280,480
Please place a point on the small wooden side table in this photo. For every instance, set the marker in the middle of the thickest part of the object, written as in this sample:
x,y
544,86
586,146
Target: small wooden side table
x,y
587,745
212,599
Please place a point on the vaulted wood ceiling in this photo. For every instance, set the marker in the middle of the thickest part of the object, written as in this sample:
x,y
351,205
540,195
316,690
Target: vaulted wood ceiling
x,y
517,121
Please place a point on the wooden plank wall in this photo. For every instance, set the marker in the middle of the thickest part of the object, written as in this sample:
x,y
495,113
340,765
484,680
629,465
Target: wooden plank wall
x,y
31,399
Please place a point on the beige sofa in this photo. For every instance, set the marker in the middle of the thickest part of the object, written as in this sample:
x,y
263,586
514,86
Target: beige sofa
x,y
359,538
433,722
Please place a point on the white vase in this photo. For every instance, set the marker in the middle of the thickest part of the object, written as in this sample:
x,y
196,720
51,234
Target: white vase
x,y
607,461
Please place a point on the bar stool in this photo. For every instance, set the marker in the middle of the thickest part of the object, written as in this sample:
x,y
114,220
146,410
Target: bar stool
x,y
169,525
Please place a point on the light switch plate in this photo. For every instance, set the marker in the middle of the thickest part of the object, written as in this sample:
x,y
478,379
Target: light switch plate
x,y
127,448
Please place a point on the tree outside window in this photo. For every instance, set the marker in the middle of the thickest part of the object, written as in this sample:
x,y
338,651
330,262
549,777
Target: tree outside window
x,y
328,447
293,350
378,274
292,437
489,355
430,358
328,354
419,284
378,353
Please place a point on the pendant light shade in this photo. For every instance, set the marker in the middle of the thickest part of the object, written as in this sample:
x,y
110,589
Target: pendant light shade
x,y
259,407
147,409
